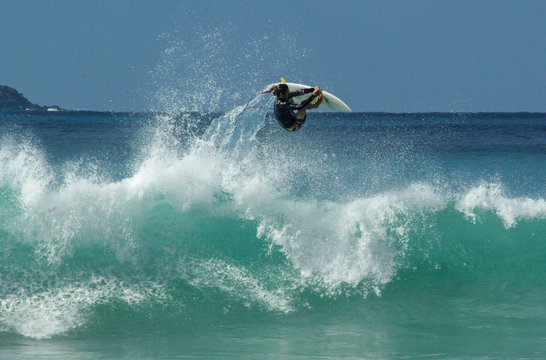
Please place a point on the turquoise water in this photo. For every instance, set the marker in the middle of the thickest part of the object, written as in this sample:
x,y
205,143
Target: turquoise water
x,y
205,235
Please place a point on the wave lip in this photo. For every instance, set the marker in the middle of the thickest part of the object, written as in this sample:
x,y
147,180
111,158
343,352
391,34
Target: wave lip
x,y
490,196
350,243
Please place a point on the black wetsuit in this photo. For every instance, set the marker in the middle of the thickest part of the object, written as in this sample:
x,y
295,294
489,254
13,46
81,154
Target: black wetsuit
x,y
283,108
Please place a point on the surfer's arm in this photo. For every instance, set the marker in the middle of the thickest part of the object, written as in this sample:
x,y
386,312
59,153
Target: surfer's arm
x,y
302,104
300,92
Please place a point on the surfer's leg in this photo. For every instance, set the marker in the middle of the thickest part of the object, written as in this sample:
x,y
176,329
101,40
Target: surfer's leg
x,y
301,116
295,127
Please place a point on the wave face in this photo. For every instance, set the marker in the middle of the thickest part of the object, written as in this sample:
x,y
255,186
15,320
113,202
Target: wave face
x,y
116,222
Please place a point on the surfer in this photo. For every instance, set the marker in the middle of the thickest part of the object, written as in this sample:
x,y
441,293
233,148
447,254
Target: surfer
x,y
285,106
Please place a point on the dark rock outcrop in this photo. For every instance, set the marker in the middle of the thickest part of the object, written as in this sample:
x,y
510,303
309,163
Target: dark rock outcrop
x,y
11,99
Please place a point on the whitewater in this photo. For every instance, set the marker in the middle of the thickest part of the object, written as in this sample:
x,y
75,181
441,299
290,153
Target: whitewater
x,y
220,235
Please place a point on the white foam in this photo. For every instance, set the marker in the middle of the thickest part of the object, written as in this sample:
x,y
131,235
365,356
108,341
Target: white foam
x,y
86,208
23,168
490,196
55,311
183,181
343,243
331,242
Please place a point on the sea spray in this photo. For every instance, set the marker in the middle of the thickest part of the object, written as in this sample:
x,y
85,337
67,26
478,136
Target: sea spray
x,y
231,227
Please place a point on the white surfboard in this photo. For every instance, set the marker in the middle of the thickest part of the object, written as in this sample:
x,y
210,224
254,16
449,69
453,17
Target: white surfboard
x,y
329,101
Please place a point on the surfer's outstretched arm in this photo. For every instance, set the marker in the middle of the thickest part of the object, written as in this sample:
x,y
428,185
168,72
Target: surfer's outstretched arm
x,y
300,92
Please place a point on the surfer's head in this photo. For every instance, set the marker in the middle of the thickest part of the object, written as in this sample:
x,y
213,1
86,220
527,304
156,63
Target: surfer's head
x,y
280,89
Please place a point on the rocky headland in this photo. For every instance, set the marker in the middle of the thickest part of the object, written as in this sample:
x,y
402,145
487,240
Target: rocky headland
x,y
11,99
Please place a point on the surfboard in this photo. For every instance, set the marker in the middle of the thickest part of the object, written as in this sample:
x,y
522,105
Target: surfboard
x,y
329,101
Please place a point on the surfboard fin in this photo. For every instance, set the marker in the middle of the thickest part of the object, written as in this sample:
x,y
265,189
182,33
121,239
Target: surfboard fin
x,y
282,80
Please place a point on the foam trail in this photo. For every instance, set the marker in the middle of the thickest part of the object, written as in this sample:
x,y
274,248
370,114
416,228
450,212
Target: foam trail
x,y
235,132
236,280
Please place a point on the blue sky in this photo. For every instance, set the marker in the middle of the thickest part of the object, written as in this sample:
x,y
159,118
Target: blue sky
x,y
392,56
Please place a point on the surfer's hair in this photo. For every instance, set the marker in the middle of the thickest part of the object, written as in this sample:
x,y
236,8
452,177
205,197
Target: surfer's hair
x,y
279,89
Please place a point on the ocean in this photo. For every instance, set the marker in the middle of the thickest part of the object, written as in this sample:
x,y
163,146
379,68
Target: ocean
x,y
200,235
